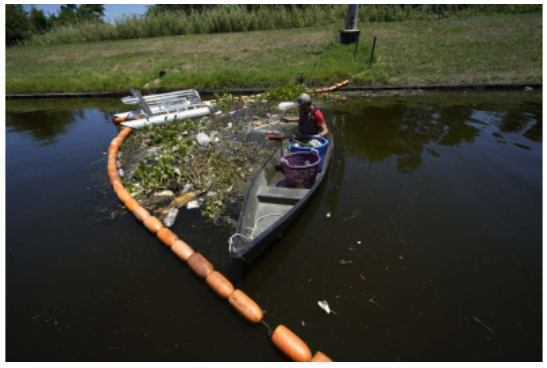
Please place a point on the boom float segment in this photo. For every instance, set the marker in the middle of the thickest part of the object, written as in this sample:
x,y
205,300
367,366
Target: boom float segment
x,y
319,90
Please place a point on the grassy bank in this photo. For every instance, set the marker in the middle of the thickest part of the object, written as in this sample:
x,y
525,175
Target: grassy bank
x,y
478,50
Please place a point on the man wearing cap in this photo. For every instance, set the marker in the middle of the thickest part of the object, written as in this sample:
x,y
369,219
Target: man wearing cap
x,y
311,121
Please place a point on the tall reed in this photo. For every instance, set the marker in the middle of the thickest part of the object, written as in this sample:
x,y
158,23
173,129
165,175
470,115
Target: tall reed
x,y
238,18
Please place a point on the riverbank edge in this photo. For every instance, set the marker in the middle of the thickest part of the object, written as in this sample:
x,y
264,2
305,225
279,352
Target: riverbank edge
x,y
465,87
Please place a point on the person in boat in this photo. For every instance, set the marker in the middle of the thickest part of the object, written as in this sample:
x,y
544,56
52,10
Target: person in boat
x,y
311,121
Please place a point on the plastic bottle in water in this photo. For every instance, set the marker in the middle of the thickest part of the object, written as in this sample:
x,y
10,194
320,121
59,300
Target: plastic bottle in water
x,y
171,217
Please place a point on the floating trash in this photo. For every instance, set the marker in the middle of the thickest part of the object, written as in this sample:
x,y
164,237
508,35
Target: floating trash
x,y
165,193
192,205
325,306
187,187
183,199
171,217
203,139
286,105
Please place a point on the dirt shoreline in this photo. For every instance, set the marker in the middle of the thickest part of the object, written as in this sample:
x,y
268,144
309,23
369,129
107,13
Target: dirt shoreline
x,y
489,87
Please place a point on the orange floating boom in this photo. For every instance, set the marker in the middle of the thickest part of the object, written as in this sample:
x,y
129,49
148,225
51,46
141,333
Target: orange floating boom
x,y
291,345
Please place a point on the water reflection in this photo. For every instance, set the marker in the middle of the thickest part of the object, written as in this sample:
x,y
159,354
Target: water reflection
x,y
46,120
406,128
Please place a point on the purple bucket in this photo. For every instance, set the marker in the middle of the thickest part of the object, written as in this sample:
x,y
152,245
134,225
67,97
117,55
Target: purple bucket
x,y
300,168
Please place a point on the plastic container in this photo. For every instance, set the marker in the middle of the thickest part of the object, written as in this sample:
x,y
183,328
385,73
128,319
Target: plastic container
x,y
300,168
322,149
171,217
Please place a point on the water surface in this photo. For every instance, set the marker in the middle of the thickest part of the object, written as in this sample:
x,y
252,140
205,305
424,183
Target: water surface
x,y
432,252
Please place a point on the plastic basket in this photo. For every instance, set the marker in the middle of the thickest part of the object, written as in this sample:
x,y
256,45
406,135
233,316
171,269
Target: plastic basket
x,y
300,168
322,149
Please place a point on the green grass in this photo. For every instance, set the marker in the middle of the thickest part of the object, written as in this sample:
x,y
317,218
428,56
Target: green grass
x,y
478,50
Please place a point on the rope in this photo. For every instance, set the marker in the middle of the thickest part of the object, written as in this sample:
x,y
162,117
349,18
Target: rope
x,y
253,229
270,331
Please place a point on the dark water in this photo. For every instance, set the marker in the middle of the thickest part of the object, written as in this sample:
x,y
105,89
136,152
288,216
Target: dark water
x,y
433,251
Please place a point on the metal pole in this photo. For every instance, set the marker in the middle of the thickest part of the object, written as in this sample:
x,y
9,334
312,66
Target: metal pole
x,y
372,52
351,33
356,47
351,18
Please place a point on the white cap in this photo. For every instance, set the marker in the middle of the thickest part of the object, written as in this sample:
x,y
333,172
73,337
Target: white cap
x,y
304,99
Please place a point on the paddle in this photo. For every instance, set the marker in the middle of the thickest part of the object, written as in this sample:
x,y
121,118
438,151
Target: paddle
x,y
283,137
277,137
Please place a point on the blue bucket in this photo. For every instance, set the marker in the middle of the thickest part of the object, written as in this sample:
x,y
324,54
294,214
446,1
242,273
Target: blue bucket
x,y
322,150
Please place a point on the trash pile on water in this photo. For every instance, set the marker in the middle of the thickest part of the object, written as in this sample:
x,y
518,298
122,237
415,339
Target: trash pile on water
x,y
203,165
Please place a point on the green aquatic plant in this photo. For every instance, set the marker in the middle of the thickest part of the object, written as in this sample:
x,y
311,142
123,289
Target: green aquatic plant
x,y
225,101
162,167
287,92
213,208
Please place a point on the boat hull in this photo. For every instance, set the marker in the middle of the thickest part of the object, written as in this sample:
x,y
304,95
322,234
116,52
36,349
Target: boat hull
x,y
279,200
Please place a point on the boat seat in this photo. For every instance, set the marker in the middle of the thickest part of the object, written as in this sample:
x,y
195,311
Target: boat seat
x,y
279,195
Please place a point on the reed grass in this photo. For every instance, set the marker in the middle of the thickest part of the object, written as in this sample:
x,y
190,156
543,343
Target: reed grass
x,y
237,18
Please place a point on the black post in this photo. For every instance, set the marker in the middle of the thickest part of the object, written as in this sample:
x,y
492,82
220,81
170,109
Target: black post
x,y
356,46
350,34
372,52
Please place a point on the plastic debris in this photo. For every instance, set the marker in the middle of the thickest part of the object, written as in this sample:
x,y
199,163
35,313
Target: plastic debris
x,y
192,204
118,164
286,105
187,187
165,193
218,113
315,143
203,139
328,215
120,154
171,217
183,199
121,173
358,242
325,306
344,262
